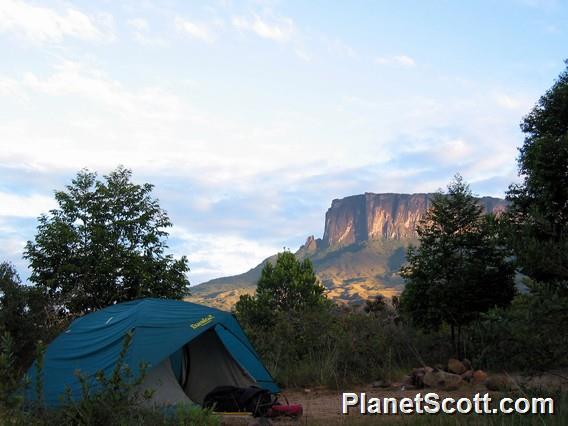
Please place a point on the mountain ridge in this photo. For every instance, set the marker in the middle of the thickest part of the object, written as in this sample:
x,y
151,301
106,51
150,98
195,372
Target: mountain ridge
x,y
362,249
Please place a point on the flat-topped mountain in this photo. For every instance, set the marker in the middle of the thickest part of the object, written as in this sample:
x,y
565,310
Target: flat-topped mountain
x,y
360,254
371,216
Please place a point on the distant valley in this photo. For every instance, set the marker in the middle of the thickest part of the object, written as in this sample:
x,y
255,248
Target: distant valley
x,y
360,254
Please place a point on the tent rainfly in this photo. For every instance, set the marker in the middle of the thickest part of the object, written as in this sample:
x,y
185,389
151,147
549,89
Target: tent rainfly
x,y
190,349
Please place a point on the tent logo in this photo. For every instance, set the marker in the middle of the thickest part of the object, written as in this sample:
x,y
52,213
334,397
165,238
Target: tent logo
x,y
203,321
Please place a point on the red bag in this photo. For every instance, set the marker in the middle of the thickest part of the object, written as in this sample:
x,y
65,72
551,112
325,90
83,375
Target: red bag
x,y
294,410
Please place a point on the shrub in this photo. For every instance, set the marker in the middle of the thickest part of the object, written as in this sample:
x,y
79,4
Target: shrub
x,y
334,347
531,336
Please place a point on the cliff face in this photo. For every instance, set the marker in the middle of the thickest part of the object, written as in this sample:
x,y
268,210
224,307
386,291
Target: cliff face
x,y
360,254
370,216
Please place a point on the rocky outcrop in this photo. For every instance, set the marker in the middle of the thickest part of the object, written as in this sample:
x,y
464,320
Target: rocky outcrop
x,y
371,216
310,246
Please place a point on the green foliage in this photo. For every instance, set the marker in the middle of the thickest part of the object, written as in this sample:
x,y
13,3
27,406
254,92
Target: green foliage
x,y
528,336
23,314
11,383
378,304
288,286
104,244
333,346
538,215
460,268
192,415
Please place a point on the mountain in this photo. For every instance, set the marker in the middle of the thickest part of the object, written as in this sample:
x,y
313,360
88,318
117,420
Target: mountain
x,y
362,249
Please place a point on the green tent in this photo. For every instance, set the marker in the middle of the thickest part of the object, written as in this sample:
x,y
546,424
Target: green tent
x,y
190,350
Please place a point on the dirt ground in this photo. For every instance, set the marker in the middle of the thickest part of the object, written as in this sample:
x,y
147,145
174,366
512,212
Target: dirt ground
x,y
323,406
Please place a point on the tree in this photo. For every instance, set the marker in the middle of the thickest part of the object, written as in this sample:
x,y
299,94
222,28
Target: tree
x,y
460,268
538,215
287,286
23,314
104,244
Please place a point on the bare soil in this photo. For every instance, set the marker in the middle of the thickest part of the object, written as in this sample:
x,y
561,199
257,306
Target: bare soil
x,y
322,406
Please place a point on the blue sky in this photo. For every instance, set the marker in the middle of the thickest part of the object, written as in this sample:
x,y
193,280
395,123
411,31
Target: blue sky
x,y
250,117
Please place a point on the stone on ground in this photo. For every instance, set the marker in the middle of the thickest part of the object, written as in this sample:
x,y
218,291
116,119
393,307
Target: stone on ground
x,y
442,380
456,366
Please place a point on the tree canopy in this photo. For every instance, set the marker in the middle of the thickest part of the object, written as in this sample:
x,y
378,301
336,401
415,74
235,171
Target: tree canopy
x,y
290,285
538,216
460,267
104,244
23,313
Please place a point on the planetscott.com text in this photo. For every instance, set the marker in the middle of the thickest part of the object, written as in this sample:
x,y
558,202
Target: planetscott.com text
x,y
432,403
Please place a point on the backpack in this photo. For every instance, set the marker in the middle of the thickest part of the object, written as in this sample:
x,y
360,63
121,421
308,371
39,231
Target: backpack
x,y
234,399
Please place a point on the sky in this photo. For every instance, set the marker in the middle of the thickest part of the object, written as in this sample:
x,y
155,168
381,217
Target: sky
x,y
250,117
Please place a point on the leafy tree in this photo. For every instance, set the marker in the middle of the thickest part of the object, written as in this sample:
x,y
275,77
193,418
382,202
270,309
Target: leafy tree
x,y
376,304
23,315
288,286
460,268
538,215
104,244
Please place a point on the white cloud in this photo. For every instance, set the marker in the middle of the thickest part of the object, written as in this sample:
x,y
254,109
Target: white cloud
x,y
139,24
399,60
98,122
280,30
455,151
14,205
515,103
74,78
41,24
338,47
11,248
141,33
303,55
213,256
200,31
12,89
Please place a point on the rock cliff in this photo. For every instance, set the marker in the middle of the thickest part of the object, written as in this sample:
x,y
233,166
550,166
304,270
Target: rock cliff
x,y
371,216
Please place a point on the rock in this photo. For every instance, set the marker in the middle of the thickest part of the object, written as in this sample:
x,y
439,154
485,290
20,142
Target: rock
x,y
456,366
479,376
381,384
417,375
467,376
467,364
499,382
366,217
442,380
306,390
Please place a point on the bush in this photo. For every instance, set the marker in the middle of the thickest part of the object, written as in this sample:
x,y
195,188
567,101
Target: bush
x,y
531,336
334,347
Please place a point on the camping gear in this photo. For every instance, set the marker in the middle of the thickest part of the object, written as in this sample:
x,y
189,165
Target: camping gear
x,y
190,349
294,410
251,399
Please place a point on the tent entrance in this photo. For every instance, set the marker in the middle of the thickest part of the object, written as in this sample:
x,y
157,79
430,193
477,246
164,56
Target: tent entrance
x,y
193,371
211,365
